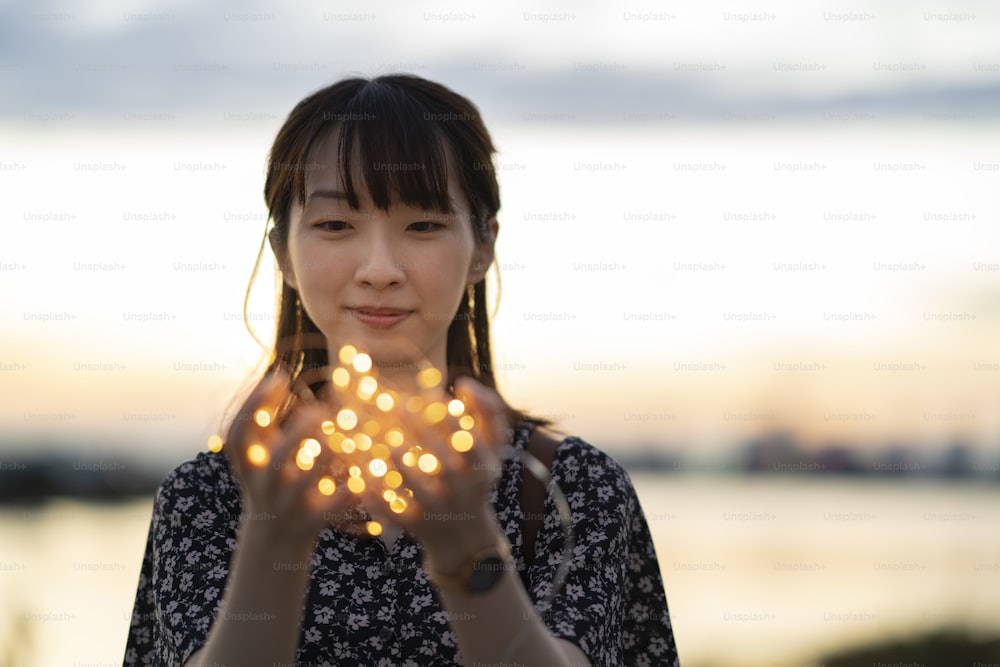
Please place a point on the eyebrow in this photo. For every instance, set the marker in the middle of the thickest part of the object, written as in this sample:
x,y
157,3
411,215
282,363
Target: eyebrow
x,y
328,194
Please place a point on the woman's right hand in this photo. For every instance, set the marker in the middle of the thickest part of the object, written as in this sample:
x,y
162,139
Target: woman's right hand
x,y
281,502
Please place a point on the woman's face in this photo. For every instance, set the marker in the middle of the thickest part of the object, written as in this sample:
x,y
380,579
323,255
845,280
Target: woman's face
x,y
387,282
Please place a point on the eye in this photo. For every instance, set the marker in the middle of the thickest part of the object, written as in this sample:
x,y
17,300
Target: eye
x,y
333,226
425,226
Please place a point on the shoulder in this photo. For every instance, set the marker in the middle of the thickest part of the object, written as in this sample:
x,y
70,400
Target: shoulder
x,y
577,460
204,478
594,483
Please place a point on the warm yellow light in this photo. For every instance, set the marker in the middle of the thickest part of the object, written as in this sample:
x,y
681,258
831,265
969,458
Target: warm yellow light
x,y
388,495
371,427
347,419
393,479
356,484
461,441
215,443
384,402
466,422
428,463
429,378
262,417
354,471
341,377
303,460
414,403
362,362
380,451
312,446
363,442
377,467
258,455
347,445
456,407
327,486
347,353
435,412
398,505
367,386
335,442
328,427
374,528
394,437
410,459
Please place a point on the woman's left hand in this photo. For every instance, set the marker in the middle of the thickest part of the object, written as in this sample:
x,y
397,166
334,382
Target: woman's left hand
x,y
449,512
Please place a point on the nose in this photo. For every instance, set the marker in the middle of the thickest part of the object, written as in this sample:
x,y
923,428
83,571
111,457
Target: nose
x,y
378,265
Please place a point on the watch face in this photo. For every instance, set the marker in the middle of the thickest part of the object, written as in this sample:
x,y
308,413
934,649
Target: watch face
x,y
485,574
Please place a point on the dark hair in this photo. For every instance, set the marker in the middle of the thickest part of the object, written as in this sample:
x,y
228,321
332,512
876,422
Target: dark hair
x,y
393,119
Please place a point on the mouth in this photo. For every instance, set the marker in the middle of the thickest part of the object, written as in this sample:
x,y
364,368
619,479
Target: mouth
x,y
379,318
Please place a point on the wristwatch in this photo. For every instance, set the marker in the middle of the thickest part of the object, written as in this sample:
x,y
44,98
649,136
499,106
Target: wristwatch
x,y
477,574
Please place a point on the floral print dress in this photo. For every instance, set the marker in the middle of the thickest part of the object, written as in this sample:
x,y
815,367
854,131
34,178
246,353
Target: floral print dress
x,y
372,605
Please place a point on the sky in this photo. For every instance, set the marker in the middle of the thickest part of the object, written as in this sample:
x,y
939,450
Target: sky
x,y
697,201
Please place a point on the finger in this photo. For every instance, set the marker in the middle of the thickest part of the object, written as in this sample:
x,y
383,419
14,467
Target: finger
x,y
248,424
487,409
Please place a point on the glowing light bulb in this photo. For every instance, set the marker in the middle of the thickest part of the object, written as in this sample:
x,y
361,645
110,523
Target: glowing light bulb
x,y
398,505
385,402
388,495
393,479
466,422
377,467
410,459
347,354
258,455
356,484
461,441
429,378
328,427
303,460
367,386
354,471
380,451
394,437
428,463
347,419
262,417
363,442
215,443
312,446
362,362
456,407
435,412
341,377
327,486
347,445
374,528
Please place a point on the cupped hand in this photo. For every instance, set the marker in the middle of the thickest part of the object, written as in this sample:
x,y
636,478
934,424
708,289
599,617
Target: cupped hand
x,y
449,506
280,492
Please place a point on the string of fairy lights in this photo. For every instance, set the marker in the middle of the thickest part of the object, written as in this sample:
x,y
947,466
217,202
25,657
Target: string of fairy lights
x,y
367,429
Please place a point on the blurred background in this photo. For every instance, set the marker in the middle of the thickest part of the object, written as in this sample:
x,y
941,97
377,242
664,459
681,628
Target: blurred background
x,y
753,251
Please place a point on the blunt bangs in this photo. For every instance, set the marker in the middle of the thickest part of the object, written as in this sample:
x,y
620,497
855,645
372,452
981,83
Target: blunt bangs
x,y
401,154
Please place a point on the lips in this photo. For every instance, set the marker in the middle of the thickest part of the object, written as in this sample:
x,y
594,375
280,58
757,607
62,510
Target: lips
x,y
378,317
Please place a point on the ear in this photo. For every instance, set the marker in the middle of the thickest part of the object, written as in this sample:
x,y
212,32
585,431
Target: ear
x,y
484,254
281,253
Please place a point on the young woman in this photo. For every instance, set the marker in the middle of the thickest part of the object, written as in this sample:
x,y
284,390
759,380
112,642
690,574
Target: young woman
x,y
384,199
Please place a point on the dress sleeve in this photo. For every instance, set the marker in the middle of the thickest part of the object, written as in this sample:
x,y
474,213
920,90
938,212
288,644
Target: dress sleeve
x,y
191,538
612,603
